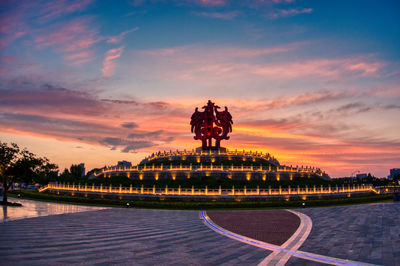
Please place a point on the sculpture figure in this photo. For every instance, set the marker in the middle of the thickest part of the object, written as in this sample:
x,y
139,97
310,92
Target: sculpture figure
x,y
210,124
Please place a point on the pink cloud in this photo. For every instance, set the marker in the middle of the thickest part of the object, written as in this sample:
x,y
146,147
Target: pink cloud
x,y
60,7
332,68
74,35
219,15
364,67
289,12
118,38
213,52
218,62
109,65
80,57
211,2
7,40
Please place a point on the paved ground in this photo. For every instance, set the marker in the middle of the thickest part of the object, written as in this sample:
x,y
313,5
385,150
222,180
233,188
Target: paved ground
x,y
368,233
270,226
121,236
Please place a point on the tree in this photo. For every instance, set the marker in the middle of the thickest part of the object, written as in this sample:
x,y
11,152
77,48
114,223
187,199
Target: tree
x,y
17,164
47,172
76,171
8,157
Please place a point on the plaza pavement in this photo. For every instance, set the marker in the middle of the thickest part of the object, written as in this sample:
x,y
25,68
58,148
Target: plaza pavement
x,y
121,236
367,233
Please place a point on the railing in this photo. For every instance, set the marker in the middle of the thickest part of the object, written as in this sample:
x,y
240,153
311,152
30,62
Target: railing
x,y
211,192
219,153
210,167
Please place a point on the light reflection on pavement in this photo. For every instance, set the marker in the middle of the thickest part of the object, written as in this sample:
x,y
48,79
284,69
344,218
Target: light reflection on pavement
x,y
32,208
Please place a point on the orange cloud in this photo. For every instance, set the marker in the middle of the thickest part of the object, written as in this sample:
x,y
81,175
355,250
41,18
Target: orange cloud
x,y
131,125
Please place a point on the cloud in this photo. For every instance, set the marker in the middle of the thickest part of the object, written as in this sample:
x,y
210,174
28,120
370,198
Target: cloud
x,y
129,125
193,53
67,129
109,64
80,57
234,66
56,8
126,145
159,135
356,107
333,68
50,99
209,3
294,128
71,115
73,36
289,12
219,15
118,38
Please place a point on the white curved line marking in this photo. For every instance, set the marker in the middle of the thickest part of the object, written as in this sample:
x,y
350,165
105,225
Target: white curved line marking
x,y
272,247
280,257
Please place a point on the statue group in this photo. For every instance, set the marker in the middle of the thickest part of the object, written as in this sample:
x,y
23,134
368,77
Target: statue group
x,y
211,124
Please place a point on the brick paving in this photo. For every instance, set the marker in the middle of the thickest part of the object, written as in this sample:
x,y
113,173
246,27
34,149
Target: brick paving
x,y
368,233
270,226
121,236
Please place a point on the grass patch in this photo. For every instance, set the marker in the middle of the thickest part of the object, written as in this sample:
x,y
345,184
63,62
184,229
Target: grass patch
x,y
198,205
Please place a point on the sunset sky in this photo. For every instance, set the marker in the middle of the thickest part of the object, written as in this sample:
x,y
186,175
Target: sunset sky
x,y
313,83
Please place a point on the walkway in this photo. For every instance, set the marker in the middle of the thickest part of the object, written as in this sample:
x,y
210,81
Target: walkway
x,y
368,233
121,236
361,233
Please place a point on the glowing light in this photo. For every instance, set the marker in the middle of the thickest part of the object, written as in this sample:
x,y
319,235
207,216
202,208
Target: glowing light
x,y
173,175
278,176
212,159
248,176
141,176
156,175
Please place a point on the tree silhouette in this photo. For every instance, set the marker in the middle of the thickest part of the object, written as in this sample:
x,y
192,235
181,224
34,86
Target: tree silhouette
x,y
17,164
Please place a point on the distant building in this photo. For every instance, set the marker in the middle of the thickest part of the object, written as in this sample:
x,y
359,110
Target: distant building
x,y
124,164
361,176
83,169
394,172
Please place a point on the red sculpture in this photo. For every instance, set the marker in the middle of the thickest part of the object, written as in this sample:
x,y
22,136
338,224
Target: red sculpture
x,y
203,125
